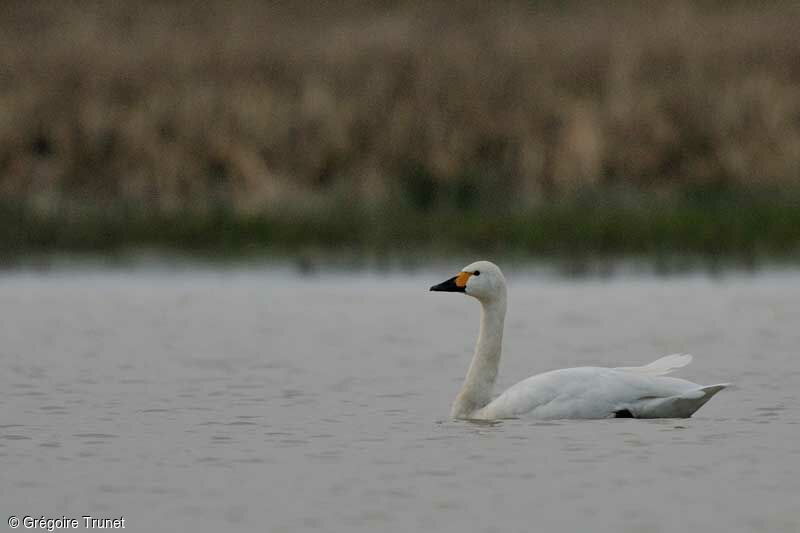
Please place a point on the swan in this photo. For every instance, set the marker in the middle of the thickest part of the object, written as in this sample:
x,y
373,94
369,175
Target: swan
x,y
584,392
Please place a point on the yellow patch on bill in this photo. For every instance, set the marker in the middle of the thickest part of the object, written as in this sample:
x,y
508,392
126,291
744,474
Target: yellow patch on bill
x,y
461,279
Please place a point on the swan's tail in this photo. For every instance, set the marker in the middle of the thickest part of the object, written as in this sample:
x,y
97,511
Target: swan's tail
x,y
659,367
680,406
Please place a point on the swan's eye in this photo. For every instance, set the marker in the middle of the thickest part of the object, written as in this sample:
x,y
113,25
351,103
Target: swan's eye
x,y
476,273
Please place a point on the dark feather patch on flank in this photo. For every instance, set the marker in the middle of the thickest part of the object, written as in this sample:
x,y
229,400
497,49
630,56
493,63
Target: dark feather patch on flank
x,y
623,413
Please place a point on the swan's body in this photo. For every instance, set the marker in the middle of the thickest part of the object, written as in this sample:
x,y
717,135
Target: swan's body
x,y
584,392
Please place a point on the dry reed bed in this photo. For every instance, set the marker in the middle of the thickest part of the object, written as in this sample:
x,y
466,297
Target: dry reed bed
x,y
267,109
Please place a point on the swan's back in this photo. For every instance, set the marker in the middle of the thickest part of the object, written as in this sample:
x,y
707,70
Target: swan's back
x,y
593,392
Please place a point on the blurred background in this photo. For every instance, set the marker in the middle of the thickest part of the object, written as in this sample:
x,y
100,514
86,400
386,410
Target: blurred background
x,y
375,128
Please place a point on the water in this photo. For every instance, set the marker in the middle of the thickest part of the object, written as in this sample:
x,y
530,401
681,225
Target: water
x,y
247,400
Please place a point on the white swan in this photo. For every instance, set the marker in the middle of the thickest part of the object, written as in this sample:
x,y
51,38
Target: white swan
x,y
584,392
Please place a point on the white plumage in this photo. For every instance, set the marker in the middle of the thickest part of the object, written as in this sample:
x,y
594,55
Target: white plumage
x,y
584,392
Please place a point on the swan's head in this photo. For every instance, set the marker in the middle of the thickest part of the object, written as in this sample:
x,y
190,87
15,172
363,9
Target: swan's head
x,y
482,280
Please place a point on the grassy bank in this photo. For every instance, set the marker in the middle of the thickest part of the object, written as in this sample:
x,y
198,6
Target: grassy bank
x,y
535,126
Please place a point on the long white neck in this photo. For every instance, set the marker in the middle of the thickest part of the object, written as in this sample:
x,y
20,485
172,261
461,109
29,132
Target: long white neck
x,y
476,391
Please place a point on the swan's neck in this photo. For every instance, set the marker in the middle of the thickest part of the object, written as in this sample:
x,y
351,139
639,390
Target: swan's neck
x,y
479,383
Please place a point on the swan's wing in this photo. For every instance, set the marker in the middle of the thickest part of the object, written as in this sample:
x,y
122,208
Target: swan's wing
x,y
659,367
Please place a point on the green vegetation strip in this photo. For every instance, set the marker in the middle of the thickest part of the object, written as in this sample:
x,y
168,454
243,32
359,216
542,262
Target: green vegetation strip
x,y
721,224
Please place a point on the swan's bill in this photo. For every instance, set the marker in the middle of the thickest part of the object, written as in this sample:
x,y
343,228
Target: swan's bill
x,y
455,284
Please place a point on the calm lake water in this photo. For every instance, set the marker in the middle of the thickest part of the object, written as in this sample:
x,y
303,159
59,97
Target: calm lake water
x,y
256,400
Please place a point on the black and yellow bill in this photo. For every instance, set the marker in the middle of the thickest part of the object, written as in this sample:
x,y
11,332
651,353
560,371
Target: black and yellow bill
x,y
455,284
